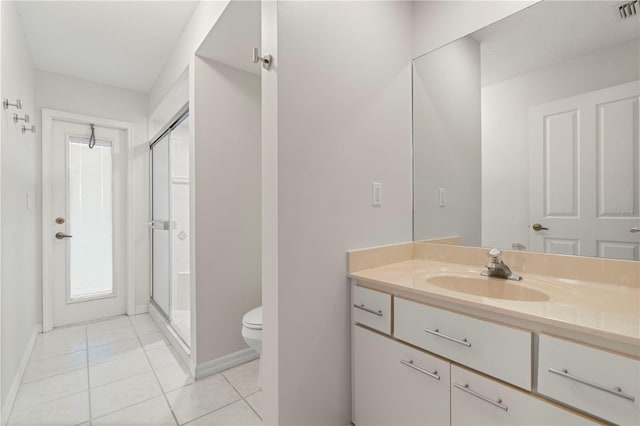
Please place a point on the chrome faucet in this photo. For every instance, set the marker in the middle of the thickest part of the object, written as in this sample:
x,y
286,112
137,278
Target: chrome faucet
x,y
497,268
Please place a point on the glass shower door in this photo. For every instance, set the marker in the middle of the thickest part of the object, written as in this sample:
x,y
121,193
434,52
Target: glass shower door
x,y
171,242
161,225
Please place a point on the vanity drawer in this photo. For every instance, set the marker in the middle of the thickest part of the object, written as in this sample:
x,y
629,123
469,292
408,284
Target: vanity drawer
x,y
372,308
497,350
477,400
587,378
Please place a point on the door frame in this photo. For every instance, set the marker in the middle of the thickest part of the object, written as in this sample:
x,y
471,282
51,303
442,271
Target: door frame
x,y
48,116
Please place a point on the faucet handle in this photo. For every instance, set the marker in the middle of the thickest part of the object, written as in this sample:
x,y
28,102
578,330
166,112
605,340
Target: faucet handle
x,y
495,255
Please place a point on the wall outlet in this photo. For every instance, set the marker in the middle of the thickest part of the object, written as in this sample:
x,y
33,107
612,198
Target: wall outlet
x,y
376,194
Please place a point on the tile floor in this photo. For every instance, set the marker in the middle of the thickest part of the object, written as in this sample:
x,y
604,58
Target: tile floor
x,y
123,372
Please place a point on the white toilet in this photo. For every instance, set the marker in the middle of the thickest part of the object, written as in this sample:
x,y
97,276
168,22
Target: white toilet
x,y
252,328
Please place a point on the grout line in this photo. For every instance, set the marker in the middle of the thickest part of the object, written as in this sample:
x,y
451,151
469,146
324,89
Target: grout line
x,y
48,402
31,360
53,375
241,396
164,395
211,412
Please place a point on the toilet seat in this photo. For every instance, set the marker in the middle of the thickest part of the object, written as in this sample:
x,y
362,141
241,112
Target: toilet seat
x,y
253,319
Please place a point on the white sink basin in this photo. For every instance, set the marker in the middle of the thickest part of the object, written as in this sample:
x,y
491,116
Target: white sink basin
x,y
495,288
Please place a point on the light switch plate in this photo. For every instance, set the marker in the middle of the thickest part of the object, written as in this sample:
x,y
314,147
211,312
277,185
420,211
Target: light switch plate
x,y
376,194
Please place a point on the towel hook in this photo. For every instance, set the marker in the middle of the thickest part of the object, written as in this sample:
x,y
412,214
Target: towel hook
x,y
267,60
6,104
92,138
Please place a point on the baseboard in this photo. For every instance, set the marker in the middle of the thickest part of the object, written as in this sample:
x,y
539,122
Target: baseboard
x,y
142,309
225,362
17,380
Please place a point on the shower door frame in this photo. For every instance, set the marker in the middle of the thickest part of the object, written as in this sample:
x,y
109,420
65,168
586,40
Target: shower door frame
x,y
182,114
48,117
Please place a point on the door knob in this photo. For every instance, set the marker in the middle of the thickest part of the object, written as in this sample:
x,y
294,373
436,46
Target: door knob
x,y
61,235
537,227
634,229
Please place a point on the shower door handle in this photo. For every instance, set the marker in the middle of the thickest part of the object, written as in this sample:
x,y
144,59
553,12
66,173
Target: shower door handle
x,y
163,225
62,235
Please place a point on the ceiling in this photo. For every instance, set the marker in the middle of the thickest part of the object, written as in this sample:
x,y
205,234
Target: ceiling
x,y
118,43
234,36
549,33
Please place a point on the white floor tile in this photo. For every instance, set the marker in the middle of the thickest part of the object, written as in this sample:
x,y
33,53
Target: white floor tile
x,y
70,410
141,319
146,328
162,357
38,370
51,388
123,393
255,401
202,397
109,325
121,368
244,377
59,342
173,376
154,412
100,337
113,351
236,414
153,341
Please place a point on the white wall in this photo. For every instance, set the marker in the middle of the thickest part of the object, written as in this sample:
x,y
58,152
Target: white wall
x,y
505,132
343,121
446,142
59,92
226,122
202,20
21,241
436,23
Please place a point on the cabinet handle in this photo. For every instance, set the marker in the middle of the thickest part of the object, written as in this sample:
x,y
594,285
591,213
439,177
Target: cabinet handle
x,y
614,391
497,403
436,332
410,364
371,311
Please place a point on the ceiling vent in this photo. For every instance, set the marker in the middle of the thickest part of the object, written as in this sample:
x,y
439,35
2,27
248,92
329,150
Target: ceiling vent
x,y
627,10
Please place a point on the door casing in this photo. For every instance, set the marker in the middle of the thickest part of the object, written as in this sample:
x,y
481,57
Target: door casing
x,y
48,116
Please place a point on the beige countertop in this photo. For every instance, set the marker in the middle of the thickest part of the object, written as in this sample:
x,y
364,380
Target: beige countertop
x,y
604,314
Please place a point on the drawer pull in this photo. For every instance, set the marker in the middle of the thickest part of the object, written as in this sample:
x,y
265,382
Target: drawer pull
x,y
466,389
436,332
614,391
371,311
422,370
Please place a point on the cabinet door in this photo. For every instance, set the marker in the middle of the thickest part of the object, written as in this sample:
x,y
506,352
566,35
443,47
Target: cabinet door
x,y
477,400
395,384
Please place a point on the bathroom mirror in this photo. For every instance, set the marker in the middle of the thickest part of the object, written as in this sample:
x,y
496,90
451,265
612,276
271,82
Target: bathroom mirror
x,y
526,133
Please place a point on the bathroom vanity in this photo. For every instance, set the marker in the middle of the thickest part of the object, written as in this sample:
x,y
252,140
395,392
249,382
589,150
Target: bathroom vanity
x,y
434,342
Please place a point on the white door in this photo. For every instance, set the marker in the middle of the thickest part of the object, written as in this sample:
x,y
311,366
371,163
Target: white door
x,y
87,237
584,174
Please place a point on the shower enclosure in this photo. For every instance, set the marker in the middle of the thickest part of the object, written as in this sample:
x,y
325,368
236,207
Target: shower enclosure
x,y
170,239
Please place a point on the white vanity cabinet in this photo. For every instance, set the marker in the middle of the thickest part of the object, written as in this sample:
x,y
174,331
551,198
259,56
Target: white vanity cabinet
x,y
396,384
599,382
478,400
431,366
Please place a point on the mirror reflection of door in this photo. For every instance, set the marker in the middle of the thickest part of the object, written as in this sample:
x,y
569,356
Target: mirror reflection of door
x,y
583,173
87,263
